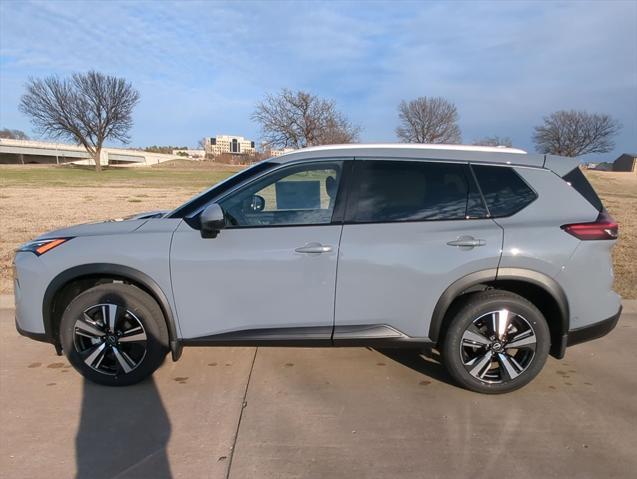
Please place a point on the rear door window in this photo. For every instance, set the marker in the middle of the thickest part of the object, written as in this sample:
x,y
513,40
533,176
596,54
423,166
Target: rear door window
x,y
390,191
504,191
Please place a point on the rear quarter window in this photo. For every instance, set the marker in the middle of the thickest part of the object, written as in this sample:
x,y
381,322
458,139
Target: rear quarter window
x,y
505,193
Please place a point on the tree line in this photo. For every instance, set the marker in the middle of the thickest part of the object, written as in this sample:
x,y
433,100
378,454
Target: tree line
x,y
90,108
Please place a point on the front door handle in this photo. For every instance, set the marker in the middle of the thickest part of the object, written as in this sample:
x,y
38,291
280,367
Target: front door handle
x,y
316,248
467,242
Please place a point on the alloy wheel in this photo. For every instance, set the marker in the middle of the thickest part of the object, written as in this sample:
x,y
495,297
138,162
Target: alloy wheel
x,y
110,339
498,346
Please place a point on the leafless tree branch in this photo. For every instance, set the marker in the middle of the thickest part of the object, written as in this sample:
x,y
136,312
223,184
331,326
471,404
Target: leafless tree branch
x,y
86,108
13,134
298,119
494,141
428,120
575,133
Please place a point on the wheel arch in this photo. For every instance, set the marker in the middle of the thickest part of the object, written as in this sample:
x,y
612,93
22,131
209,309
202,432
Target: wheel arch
x,y
542,290
70,282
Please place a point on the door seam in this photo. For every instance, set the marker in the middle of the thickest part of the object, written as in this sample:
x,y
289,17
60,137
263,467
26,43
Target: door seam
x,y
338,260
348,196
497,268
170,278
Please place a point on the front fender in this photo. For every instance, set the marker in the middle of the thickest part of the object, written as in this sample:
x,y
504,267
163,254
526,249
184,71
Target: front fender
x,y
110,270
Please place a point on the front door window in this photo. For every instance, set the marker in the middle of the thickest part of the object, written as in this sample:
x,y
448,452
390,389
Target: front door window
x,y
296,195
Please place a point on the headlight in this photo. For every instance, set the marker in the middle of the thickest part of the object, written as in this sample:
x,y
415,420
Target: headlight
x,y
39,247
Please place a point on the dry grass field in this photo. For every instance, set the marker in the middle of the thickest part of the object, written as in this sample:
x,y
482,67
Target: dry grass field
x,y
35,199
619,194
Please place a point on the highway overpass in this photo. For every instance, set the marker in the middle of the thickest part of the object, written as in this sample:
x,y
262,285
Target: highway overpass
x,y
40,152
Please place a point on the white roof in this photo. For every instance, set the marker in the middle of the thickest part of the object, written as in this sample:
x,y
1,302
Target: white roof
x,y
414,146
463,153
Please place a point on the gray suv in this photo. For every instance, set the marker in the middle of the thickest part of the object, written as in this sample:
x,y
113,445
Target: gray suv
x,y
495,257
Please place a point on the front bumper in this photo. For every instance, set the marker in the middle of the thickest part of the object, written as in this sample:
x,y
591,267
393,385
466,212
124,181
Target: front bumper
x,y
30,279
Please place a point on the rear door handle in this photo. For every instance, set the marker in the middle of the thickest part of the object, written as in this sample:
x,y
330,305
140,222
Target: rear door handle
x,y
315,248
467,242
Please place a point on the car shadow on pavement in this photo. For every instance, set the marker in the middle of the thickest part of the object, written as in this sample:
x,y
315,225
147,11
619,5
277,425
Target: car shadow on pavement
x,y
123,432
426,361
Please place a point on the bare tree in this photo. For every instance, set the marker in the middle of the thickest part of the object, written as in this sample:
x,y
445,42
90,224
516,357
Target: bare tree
x,y
575,133
428,120
13,134
494,141
298,119
86,108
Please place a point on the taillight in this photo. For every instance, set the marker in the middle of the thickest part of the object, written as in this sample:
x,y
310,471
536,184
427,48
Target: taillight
x,y
603,228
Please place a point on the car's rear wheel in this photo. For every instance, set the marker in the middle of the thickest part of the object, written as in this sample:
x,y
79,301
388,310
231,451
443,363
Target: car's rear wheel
x,y
114,334
496,343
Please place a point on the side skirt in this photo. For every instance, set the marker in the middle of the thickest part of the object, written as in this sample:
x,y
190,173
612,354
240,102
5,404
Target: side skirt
x,y
381,336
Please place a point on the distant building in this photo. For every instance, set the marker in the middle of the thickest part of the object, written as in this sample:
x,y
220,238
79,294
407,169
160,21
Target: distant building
x,y
236,145
275,153
626,162
603,166
194,154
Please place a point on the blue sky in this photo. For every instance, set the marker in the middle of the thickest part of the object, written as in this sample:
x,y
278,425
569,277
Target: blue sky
x,y
202,66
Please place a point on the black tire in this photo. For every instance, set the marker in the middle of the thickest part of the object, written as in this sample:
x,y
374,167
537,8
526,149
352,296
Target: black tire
x,y
468,360
129,352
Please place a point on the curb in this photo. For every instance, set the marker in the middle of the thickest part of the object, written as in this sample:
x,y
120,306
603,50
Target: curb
x,y
7,302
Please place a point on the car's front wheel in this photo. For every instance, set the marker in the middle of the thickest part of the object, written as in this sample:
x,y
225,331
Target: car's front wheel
x,y
496,343
114,334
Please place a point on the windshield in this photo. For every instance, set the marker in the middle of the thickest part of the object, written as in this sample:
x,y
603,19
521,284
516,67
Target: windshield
x,y
204,197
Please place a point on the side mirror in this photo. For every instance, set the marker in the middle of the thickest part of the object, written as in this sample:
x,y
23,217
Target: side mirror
x,y
212,221
254,204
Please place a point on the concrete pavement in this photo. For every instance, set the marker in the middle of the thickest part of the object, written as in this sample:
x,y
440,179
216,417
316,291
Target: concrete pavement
x,y
342,412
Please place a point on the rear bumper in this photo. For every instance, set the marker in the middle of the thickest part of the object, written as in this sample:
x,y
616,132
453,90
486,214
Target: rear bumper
x,y
593,331
588,332
42,337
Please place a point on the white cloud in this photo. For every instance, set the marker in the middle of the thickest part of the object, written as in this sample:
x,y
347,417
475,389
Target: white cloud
x,y
201,66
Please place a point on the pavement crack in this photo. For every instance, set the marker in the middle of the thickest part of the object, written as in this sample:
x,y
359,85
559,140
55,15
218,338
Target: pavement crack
x,y
243,406
138,463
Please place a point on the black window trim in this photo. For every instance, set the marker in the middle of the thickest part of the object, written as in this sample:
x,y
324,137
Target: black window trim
x,y
352,196
596,202
342,213
337,212
484,201
513,169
